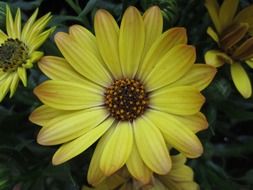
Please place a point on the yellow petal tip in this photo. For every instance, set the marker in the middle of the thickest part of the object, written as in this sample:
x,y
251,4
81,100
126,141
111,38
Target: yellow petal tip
x,y
59,35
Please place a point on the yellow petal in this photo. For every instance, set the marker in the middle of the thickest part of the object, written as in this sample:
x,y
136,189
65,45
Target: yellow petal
x,y
44,114
68,95
5,85
227,12
69,126
14,84
112,182
153,22
27,27
35,56
199,76
245,14
195,123
131,41
250,63
178,160
137,168
58,68
233,35
22,75
28,64
241,80
39,39
107,35
217,58
36,28
157,185
176,134
9,23
189,185
3,37
151,146
245,50
181,174
160,47
95,175
171,67
213,34
182,100
117,148
127,186
213,10
3,75
17,24
171,185
87,188
84,38
84,62
86,41
79,145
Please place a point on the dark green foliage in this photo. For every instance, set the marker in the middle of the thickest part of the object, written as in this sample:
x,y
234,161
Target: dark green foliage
x,y
227,162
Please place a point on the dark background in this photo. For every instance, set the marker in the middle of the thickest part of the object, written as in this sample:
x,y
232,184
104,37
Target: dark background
x,y
227,162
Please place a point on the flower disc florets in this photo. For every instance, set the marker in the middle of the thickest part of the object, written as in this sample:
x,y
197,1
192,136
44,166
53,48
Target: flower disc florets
x,y
126,99
13,54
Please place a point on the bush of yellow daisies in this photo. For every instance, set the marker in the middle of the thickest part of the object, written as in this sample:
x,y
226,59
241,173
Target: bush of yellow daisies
x,y
126,95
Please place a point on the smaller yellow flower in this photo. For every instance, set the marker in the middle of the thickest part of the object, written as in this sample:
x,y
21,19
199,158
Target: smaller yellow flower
x,y
18,49
180,177
233,34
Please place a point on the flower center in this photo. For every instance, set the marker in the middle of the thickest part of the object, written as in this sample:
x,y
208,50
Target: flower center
x,y
126,99
13,53
232,39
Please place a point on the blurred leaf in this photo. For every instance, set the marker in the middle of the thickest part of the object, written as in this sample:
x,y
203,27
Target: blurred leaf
x,y
58,20
4,113
219,90
89,6
248,177
2,13
244,147
169,9
235,112
27,5
74,6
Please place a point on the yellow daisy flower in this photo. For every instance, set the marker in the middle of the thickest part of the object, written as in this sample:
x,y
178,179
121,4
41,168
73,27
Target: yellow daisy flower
x,y
18,49
233,34
180,177
134,86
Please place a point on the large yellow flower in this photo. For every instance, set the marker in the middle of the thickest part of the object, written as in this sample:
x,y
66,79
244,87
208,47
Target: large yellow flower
x,y
134,86
180,177
18,49
233,34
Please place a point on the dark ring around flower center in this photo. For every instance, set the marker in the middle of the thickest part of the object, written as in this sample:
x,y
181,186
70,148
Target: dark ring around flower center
x,y
126,99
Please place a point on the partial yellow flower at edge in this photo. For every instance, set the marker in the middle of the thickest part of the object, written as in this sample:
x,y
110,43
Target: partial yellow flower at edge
x,y
116,90
18,49
179,177
234,35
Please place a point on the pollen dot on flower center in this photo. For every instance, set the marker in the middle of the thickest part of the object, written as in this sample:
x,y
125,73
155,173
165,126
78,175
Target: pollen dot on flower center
x,y
126,99
13,53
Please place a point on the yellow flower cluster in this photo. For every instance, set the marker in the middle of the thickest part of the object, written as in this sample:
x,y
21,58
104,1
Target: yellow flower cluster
x,y
133,89
233,34
18,49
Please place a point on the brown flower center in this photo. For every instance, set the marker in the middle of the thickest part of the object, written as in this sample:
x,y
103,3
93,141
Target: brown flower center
x,y
237,42
13,53
126,99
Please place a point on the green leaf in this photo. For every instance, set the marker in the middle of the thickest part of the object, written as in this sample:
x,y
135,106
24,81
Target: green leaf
x,y
248,177
88,8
